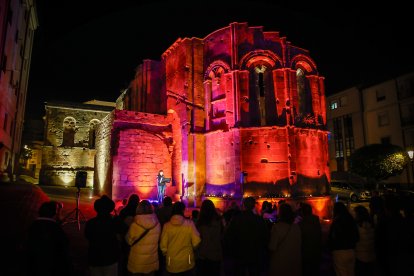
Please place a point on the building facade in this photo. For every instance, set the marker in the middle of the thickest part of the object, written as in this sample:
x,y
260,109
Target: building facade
x,y
239,112
380,113
18,22
69,141
31,152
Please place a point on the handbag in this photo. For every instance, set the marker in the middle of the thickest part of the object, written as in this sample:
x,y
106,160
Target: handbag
x,y
142,235
284,238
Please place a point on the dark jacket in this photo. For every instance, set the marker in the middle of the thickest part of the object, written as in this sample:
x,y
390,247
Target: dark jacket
x,y
48,249
343,233
210,247
104,246
246,238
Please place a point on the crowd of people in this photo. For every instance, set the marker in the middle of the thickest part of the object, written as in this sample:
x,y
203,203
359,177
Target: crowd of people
x,y
142,238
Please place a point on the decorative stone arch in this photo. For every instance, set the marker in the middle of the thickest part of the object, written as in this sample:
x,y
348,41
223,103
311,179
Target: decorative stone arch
x,y
69,129
303,109
92,132
260,55
159,131
305,63
216,69
262,99
215,89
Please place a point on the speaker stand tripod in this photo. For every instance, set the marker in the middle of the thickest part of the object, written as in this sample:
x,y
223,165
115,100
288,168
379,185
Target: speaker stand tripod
x,y
76,214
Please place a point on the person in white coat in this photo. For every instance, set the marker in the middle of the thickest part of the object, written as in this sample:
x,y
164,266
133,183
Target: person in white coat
x,y
143,255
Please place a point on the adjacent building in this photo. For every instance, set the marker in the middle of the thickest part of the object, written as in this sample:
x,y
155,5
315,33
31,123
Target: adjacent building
x,y
18,22
379,113
69,141
31,152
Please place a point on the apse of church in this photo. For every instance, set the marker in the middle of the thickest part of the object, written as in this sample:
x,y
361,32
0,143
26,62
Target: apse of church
x,y
244,114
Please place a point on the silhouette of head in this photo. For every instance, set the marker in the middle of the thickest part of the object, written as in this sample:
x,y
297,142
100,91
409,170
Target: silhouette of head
x,y
207,211
133,199
361,214
178,208
306,209
340,209
104,205
249,203
48,209
144,207
167,201
286,213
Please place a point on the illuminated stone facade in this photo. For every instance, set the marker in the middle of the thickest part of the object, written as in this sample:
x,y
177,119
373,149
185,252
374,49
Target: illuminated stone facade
x,y
245,115
69,142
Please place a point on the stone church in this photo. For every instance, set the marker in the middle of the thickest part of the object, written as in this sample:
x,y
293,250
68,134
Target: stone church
x,y
239,112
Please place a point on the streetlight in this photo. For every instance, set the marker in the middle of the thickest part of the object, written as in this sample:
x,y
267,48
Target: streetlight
x,y
411,155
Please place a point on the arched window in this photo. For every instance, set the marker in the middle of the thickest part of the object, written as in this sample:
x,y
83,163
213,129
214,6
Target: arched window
x,y
215,89
304,95
69,129
92,132
262,101
260,89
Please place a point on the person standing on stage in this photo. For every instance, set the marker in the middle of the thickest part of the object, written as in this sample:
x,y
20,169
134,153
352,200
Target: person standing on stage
x,y
160,186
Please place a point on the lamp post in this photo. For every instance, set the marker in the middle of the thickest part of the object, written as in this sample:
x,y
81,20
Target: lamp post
x,y
411,155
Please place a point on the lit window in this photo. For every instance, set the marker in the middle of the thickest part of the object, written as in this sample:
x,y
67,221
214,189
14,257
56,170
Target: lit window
x,y
334,105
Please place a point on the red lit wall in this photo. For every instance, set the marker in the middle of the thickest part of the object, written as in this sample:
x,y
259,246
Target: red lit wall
x,y
249,114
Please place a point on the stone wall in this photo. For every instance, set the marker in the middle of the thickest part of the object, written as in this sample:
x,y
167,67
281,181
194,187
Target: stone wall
x,y
142,144
69,144
60,164
103,164
55,117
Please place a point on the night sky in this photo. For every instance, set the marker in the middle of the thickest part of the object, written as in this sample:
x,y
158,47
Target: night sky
x,y
87,50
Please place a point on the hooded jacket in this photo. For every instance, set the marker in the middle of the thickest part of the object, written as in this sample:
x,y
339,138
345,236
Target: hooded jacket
x,y
143,256
178,239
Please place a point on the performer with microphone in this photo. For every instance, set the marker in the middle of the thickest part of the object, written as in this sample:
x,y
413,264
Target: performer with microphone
x,y
161,183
